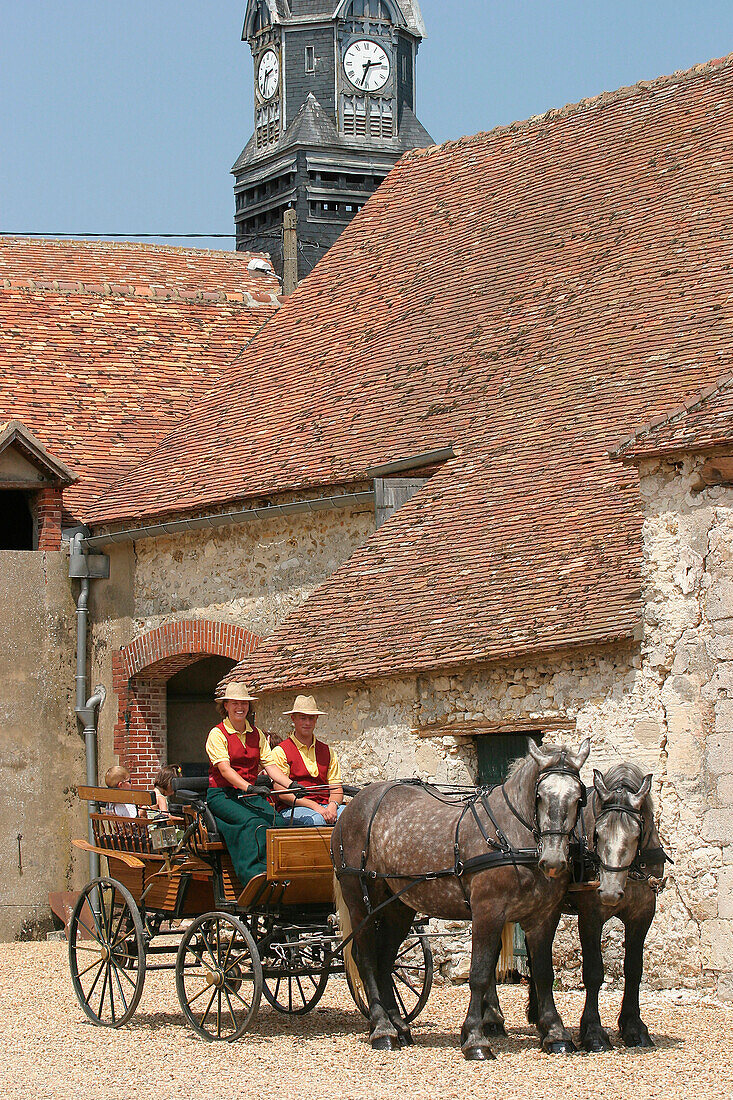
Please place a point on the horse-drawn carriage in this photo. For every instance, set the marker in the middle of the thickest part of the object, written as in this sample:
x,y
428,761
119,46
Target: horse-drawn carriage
x,y
400,848
172,901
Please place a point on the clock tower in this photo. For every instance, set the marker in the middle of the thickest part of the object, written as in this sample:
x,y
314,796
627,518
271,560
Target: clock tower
x,y
334,91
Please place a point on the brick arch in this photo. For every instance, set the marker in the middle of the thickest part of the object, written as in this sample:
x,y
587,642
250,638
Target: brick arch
x,y
140,673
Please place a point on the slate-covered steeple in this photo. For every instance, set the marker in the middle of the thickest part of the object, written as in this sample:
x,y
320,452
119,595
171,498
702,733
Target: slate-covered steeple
x,y
334,110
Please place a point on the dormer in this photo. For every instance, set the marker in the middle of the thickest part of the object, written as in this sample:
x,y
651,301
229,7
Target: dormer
x,y
31,484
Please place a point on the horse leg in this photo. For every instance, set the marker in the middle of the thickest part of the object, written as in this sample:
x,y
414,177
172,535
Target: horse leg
x,y
493,1017
485,947
532,1012
382,1033
592,1035
556,1038
396,922
634,1031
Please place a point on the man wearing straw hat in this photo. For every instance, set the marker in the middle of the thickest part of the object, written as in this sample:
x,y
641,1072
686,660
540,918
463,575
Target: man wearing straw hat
x,y
311,764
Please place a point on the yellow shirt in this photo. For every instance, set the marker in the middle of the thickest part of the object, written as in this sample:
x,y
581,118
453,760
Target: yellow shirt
x,y
217,749
309,758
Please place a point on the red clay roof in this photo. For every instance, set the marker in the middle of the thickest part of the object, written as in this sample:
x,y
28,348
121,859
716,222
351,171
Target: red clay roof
x,y
527,295
702,424
104,346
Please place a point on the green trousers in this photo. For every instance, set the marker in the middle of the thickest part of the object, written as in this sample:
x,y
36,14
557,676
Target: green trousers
x,y
243,824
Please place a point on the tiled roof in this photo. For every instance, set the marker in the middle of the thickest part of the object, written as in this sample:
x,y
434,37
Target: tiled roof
x,y
103,347
702,424
527,295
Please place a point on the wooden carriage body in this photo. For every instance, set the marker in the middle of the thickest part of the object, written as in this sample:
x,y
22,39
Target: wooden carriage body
x,y
202,878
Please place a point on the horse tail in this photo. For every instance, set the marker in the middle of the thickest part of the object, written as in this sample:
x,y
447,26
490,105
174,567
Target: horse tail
x,y
345,927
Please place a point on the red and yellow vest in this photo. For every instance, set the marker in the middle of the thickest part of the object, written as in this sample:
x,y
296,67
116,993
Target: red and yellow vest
x,y
244,757
299,772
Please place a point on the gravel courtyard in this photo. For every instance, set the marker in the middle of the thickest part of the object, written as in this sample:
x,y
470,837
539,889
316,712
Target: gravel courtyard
x,y
49,1051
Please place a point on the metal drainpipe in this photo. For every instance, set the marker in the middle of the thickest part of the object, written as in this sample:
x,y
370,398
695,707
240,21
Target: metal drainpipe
x,y
86,709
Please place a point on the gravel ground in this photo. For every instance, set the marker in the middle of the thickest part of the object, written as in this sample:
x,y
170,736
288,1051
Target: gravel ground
x,y
50,1051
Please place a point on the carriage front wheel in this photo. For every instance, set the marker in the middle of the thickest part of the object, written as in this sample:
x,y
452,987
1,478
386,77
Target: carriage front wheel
x,y
412,978
219,977
107,952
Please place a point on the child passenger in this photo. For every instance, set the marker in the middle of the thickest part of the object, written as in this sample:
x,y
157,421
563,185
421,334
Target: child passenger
x,y
162,784
117,777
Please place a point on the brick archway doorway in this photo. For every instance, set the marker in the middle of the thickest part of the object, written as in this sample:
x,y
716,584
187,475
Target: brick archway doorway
x,y
141,674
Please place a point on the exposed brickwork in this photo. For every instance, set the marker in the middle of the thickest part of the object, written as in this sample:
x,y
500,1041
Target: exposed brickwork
x,y
140,673
48,516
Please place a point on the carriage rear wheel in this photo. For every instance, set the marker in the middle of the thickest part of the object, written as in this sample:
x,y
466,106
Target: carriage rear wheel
x,y
107,952
295,971
218,977
412,978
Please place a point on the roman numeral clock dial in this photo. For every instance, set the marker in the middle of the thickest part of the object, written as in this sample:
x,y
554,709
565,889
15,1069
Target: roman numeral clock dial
x,y
367,65
268,74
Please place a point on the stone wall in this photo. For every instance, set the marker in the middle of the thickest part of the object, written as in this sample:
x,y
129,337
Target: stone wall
x,y
41,752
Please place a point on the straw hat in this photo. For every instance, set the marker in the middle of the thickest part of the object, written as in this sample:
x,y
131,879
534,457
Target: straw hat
x,y
304,704
239,692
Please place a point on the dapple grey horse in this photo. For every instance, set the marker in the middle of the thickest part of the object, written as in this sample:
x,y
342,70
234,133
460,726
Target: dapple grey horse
x,y
391,835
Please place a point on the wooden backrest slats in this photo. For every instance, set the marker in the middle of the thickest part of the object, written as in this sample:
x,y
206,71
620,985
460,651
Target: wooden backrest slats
x,y
122,834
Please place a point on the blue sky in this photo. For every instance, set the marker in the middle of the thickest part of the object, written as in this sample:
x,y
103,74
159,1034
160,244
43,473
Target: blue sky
x,y
126,117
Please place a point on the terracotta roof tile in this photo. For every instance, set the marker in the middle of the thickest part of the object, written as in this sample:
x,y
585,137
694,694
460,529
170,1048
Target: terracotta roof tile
x,y
703,423
103,347
529,296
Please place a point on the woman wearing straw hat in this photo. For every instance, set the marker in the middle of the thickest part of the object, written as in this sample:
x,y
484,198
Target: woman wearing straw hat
x,y
311,764
237,753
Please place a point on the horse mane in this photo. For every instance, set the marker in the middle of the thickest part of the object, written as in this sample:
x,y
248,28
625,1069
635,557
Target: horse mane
x,y
631,777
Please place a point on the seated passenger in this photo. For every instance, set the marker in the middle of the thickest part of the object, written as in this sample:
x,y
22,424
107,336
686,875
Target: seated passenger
x,y
162,785
310,763
117,777
237,753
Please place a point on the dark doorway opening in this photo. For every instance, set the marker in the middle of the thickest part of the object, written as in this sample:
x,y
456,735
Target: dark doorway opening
x,y
191,712
16,521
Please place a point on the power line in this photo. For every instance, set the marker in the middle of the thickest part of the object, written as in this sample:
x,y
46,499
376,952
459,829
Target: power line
x,y
277,236
123,236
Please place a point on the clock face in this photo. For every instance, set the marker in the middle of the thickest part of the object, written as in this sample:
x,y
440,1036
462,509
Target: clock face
x,y
367,65
268,74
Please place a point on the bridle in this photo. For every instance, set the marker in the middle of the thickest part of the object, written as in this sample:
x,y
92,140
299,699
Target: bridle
x,y
562,767
618,807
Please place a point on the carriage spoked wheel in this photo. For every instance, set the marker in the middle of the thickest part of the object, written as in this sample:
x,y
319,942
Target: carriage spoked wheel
x,y
107,952
412,978
295,972
218,977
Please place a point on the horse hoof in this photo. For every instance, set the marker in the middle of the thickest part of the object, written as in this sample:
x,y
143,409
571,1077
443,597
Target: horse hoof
x,y
639,1039
406,1040
597,1044
494,1028
385,1042
560,1046
478,1054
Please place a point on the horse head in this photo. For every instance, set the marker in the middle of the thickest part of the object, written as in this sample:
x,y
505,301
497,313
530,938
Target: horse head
x,y
559,794
619,830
